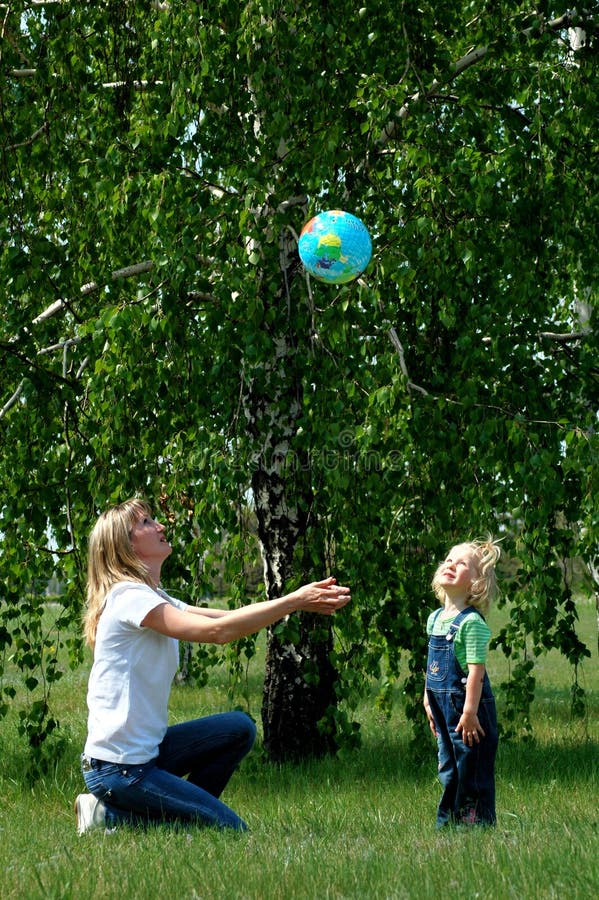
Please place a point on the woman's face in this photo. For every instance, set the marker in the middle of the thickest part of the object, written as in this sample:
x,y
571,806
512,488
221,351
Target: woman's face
x,y
148,540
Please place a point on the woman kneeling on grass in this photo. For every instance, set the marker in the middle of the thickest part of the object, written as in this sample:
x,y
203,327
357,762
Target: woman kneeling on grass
x,y
137,768
458,699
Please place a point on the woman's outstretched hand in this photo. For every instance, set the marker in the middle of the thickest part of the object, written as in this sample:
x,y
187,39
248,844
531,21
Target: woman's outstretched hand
x,y
324,597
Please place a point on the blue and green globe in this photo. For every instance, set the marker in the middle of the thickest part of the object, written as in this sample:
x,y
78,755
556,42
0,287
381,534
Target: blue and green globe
x,y
335,246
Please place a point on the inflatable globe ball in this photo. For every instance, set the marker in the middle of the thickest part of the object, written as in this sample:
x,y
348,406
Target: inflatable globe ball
x,y
335,246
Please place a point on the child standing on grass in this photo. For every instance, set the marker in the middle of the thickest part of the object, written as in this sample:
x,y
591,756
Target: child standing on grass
x,y
458,699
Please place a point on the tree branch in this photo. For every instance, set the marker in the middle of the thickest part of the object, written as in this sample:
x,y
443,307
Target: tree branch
x,y
90,287
470,59
12,400
41,130
155,4
564,338
11,348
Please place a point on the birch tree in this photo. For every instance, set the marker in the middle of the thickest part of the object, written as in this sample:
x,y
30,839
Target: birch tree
x,y
160,336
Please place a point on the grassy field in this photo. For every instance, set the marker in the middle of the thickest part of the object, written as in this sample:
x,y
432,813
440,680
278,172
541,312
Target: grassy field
x,y
357,827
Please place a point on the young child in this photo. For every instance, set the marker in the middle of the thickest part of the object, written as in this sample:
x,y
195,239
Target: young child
x,y
458,699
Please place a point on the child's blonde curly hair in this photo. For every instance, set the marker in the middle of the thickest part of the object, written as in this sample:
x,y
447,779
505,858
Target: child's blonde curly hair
x,y
484,588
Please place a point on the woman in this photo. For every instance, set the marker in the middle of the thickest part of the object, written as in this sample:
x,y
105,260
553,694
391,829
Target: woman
x,y
136,767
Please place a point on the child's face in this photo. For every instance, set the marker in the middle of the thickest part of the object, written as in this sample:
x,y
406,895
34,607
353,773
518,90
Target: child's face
x,y
458,571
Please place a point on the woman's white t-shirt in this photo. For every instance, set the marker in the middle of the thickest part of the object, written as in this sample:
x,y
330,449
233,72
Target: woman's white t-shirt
x,y
131,677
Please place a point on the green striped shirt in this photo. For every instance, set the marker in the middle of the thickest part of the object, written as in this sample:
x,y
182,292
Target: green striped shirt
x,y
472,640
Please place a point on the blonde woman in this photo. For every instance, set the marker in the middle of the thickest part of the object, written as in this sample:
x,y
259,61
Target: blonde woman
x,y
458,699
137,768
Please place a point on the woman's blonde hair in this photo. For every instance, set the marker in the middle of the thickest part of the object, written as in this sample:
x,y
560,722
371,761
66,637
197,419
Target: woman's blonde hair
x,y
484,588
111,559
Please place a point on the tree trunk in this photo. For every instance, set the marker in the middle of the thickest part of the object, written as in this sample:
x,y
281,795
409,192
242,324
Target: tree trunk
x,y
299,683
299,679
293,708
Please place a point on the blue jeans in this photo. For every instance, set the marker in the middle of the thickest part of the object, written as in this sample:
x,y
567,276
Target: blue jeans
x,y
466,773
206,750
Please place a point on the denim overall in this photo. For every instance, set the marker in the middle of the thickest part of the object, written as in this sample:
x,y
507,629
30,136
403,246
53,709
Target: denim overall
x,y
466,772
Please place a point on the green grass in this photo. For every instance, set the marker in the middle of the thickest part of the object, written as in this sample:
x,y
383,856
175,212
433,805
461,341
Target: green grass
x,y
357,827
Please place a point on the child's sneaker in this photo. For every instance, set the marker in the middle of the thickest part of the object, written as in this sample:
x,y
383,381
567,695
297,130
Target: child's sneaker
x,y
90,811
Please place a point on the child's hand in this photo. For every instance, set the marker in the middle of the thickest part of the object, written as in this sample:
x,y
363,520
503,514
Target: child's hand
x,y
471,729
429,716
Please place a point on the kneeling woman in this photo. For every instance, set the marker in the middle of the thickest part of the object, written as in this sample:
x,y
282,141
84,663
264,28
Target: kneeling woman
x,y
136,767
